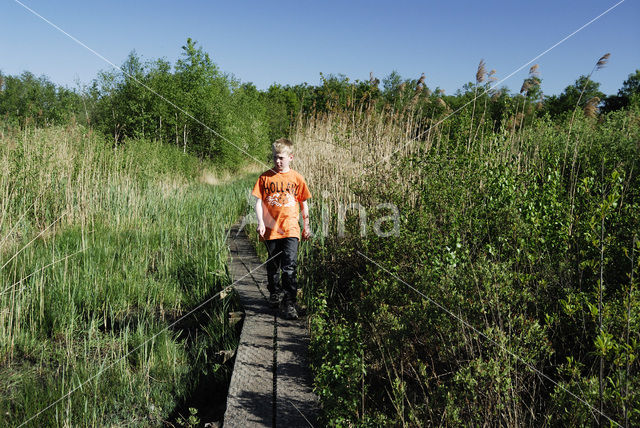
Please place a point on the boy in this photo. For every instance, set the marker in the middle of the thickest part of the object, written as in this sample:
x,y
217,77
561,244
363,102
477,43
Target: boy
x,y
279,191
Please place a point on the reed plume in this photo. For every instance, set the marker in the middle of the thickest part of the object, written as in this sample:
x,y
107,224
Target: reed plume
x,y
604,59
591,107
481,72
533,71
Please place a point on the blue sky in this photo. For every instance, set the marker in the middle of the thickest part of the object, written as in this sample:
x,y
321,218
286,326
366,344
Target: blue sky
x,y
290,42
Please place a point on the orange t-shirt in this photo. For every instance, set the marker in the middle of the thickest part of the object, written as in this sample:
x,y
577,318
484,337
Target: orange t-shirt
x,y
281,194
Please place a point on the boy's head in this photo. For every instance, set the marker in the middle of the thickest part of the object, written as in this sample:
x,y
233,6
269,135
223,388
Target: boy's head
x,y
283,146
282,154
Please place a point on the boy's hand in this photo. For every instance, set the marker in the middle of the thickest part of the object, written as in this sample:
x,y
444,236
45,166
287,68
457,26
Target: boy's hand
x,y
261,230
306,232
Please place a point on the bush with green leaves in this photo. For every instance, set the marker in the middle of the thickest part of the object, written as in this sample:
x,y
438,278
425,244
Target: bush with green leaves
x,y
508,298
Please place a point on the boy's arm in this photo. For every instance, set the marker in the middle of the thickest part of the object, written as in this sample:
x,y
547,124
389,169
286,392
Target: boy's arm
x,y
261,228
306,229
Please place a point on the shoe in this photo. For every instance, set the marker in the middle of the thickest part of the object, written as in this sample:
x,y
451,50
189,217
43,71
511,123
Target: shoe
x,y
288,311
275,298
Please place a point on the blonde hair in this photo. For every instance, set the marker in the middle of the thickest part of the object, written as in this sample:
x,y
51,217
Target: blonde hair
x,y
282,145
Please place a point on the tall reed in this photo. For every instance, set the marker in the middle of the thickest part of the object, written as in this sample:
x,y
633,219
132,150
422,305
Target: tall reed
x,y
103,250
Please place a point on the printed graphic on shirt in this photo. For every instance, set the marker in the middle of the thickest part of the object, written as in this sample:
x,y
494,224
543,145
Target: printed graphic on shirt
x,y
280,200
280,187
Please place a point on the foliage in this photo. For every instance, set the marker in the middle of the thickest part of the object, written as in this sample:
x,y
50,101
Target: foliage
x,y
583,89
627,95
486,308
196,107
27,100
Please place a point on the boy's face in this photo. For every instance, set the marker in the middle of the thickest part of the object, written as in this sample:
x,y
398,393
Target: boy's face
x,y
282,160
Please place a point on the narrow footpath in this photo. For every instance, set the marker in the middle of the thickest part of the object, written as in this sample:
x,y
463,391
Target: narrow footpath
x,y
271,381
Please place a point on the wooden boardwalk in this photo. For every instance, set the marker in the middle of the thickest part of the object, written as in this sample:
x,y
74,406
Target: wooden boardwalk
x,y
271,382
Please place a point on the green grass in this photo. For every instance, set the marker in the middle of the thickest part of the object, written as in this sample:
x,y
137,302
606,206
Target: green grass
x,y
93,304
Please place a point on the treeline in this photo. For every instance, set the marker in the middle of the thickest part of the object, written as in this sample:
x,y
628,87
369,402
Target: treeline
x,y
27,99
191,104
194,105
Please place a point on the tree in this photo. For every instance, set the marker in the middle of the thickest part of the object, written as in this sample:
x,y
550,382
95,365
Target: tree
x,y
568,99
629,92
398,92
282,108
36,100
204,96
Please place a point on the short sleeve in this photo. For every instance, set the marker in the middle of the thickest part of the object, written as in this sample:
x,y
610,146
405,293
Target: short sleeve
x,y
304,192
257,188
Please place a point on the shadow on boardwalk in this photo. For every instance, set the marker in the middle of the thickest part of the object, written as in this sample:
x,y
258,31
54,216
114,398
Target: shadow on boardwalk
x,y
271,382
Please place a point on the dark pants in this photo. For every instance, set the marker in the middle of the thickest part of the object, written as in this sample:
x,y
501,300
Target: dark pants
x,y
283,255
